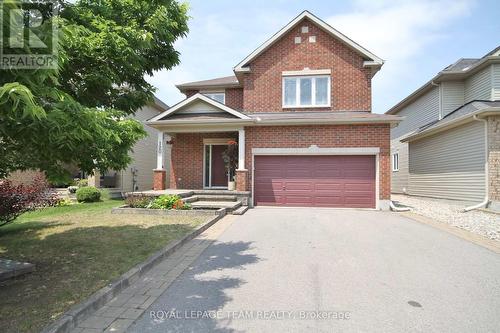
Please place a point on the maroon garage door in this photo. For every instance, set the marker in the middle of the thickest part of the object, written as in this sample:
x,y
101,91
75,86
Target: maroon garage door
x,y
321,181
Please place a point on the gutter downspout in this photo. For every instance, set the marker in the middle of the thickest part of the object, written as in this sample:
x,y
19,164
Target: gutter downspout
x,y
398,209
486,200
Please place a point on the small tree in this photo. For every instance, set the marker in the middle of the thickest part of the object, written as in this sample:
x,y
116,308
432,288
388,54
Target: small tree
x,y
17,199
230,157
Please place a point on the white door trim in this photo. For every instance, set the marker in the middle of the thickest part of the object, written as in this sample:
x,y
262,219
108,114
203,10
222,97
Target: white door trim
x,y
210,143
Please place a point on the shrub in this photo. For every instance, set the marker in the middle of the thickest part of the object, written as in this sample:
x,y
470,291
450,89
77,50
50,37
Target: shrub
x,y
82,183
168,201
17,199
138,201
88,194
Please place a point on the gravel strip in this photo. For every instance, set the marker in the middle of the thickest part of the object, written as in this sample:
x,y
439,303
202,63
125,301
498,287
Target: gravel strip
x,y
450,212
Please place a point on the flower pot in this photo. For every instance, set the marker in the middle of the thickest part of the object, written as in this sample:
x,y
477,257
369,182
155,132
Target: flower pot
x,y
231,186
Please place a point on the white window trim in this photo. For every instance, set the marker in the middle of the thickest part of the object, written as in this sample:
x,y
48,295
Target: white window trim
x,y
313,91
218,92
395,166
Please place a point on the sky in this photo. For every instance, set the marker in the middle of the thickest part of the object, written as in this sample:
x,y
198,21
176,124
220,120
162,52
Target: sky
x,y
416,38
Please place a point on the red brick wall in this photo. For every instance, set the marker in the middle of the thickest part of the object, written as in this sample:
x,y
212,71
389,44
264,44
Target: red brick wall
x,y
324,136
234,98
186,163
351,83
187,150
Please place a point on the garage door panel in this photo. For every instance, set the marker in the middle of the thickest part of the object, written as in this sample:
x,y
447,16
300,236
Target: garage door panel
x,y
269,173
328,186
323,181
297,173
298,185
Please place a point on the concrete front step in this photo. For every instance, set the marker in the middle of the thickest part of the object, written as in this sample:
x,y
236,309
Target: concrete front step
x,y
195,198
240,211
229,205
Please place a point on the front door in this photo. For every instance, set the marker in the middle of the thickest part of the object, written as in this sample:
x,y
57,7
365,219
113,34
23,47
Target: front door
x,y
219,177
215,170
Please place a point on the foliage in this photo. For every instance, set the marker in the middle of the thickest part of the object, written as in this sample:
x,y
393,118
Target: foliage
x,y
65,202
17,199
82,182
77,114
230,157
138,201
169,201
88,194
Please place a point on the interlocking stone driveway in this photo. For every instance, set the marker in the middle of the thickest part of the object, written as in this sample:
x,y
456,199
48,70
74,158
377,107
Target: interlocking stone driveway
x,y
387,272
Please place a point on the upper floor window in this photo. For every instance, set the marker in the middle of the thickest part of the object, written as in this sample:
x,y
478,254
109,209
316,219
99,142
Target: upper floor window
x,y
306,91
395,162
218,96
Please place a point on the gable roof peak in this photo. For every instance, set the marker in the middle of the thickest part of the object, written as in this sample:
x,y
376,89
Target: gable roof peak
x,y
202,98
371,60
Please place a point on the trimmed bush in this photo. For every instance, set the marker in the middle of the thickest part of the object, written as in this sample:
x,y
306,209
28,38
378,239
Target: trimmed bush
x,y
88,194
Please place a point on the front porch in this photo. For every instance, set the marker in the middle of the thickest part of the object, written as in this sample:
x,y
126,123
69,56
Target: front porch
x,y
199,160
202,134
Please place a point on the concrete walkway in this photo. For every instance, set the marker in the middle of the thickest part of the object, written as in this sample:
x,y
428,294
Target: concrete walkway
x,y
323,270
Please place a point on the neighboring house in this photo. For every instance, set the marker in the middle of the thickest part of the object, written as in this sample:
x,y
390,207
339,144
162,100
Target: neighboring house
x,y
137,176
299,107
448,145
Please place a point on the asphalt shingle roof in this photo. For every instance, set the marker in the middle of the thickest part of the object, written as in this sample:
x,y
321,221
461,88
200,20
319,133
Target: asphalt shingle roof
x,y
220,81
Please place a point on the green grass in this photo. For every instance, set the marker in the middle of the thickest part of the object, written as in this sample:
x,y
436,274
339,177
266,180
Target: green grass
x,y
77,250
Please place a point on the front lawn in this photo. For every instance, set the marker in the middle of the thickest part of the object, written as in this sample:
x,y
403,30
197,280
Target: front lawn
x,y
77,250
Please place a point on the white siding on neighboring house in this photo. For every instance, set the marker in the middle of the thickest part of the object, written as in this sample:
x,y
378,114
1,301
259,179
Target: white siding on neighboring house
x,y
478,86
421,112
496,82
449,164
452,96
144,156
399,180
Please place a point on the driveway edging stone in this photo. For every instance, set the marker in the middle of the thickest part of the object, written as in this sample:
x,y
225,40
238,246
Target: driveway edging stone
x,y
477,239
85,309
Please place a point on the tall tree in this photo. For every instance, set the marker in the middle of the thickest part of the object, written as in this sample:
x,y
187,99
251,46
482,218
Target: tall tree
x,y
77,113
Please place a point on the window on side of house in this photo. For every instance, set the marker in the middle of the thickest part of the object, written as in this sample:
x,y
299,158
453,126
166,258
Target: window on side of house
x,y
395,162
217,96
306,91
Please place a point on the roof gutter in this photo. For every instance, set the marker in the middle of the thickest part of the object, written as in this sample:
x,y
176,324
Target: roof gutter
x,y
486,200
454,123
322,121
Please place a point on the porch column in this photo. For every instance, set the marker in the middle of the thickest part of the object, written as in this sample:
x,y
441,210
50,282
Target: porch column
x,y
160,152
160,174
241,172
241,149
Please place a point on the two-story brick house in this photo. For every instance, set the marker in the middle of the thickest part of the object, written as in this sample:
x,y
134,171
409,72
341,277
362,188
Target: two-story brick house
x,y
299,107
448,145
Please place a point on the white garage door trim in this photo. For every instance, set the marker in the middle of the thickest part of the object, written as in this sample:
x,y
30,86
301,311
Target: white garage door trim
x,y
315,150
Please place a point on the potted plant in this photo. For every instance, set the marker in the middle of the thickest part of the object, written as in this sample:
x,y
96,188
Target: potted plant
x,y
230,157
